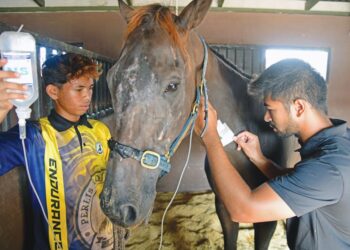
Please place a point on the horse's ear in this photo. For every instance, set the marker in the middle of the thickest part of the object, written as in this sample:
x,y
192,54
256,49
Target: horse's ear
x,y
125,10
193,14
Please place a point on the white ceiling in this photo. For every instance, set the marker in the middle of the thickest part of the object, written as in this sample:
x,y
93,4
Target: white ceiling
x,y
338,7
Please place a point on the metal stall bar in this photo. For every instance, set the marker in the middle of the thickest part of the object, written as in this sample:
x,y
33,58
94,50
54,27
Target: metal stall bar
x,y
249,58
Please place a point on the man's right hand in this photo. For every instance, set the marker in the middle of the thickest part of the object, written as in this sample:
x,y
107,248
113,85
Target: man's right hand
x,y
250,145
7,90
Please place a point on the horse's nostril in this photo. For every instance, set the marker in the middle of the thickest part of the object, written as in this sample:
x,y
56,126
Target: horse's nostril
x,y
129,214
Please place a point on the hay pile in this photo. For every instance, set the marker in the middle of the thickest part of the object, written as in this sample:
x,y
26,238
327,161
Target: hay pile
x,y
191,223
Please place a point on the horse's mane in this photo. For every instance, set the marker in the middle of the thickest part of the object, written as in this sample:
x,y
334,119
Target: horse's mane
x,y
230,65
148,16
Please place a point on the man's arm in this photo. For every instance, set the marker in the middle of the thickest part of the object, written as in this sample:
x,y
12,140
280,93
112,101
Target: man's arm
x,y
7,91
242,203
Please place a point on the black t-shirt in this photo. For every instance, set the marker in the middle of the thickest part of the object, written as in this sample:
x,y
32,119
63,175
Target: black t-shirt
x,y
318,192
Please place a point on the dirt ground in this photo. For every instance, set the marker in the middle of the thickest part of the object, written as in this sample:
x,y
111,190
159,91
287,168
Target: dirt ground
x,y
191,223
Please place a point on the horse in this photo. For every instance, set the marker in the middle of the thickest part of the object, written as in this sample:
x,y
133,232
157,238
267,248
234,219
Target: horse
x,y
154,87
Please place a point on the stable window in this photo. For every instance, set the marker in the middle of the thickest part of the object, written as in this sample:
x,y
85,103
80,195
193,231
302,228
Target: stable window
x,y
317,58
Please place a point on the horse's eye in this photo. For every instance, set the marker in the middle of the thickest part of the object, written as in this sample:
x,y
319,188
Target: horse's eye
x,y
171,87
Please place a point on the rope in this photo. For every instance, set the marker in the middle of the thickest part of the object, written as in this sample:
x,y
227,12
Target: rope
x,y
177,7
120,236
177,189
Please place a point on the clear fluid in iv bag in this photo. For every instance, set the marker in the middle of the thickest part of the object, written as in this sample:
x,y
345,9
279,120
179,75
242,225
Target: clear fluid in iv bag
x,y
20,62
20,51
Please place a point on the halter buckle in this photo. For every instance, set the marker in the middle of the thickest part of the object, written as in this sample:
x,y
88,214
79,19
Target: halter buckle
x,y
150,159
195,108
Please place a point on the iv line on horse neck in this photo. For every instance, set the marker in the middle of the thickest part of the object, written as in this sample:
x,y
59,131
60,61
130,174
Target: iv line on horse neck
x,y
177,187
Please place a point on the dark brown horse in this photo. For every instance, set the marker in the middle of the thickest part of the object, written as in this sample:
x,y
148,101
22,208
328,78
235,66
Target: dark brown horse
x,y
153,87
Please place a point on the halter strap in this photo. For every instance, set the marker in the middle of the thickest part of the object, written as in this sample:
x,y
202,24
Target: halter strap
x,y
152,160
147,158
204,89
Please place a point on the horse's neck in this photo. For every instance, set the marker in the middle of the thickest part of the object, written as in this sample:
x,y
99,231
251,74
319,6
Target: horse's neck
x,y
228,93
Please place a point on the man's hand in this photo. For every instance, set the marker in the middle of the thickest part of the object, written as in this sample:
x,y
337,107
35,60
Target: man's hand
x,y
251,147
211,132
7,90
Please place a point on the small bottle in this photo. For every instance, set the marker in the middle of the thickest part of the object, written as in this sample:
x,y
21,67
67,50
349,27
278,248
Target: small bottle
x,y
20,51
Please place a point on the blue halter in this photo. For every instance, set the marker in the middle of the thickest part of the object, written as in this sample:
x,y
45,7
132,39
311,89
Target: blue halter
x,y
152,160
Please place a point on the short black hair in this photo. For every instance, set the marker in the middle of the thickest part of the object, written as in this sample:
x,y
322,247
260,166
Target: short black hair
x,y
60,69
291,79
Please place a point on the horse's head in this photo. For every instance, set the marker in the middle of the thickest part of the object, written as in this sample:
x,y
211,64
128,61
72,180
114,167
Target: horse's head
x,y
153,87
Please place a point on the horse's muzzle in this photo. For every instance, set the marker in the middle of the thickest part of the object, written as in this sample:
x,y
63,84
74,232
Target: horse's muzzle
x,y
124,215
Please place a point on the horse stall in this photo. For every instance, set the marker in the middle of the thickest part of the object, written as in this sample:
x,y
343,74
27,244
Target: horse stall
x,y
240,35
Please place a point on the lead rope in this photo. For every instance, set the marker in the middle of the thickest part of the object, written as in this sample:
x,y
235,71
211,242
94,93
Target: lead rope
x,y
120,236
177,188
177,7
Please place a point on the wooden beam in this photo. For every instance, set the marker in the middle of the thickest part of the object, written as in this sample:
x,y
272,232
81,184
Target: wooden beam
x,y
41,3
310,3
220,3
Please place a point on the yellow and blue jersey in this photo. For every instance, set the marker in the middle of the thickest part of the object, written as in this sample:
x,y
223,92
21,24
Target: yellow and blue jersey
x,y
67,163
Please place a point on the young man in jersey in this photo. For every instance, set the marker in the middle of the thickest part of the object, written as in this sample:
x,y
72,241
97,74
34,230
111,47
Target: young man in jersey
x,y
315,196
67,157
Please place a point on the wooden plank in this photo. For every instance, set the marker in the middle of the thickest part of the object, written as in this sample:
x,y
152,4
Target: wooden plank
x,y
310,3
332,7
